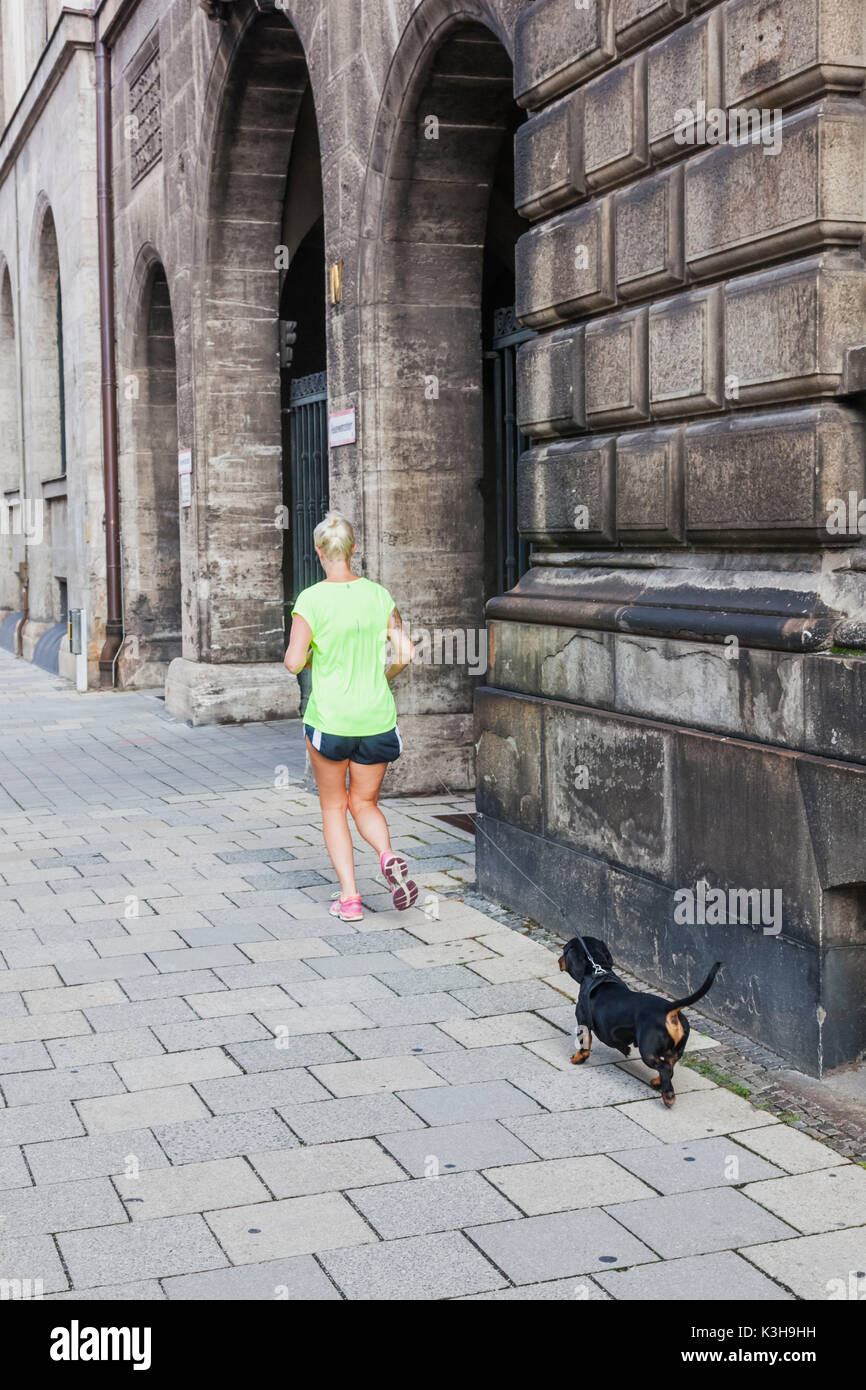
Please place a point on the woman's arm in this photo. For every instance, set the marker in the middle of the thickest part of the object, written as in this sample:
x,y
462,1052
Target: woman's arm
x,y
403,649
298,654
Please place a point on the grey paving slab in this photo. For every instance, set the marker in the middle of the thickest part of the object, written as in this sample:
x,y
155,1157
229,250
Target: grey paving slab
x,y
118,1018
571,1133
61,1206
672,1168
80,972
13,1169
422,1267
567,1184
26,1124
216,1032
161,1106
32,1260
59,1160
174,1068
321,1018
190,1187
831,1266
696,1115
177,984
23,1056
827,1200
261,1091
390,1042
696,1223
33,1088
94,1048
422,1206
369,942
516,997
143,1291
244,1001
509,1062
326,1168
196,958
356,1117
288,1051
789,1149
555,1247
294,1226
224,1136
140,1250
708,1278
429,981
412,1008
478,1100
264,973
297,1279
381,1074
352,990
456,1148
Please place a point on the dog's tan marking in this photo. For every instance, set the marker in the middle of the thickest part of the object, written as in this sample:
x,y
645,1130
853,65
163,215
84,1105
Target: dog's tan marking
x,y
674,1026
580,1056
562,964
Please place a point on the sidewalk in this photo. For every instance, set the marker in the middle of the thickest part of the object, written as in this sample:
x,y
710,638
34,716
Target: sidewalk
x,y
213,1090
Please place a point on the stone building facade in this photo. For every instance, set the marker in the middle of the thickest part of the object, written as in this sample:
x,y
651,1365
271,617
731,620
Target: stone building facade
x,y
645,217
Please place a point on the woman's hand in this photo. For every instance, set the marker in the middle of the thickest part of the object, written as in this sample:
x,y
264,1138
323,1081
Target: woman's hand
x,y
403,649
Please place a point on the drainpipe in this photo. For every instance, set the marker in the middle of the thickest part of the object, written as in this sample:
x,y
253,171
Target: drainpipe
x,y
105,230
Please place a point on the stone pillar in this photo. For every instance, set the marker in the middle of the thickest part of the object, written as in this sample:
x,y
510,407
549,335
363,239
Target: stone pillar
x,y
671,752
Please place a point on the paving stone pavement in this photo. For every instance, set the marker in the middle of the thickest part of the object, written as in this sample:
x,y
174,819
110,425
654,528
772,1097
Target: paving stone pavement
x,y
212,1090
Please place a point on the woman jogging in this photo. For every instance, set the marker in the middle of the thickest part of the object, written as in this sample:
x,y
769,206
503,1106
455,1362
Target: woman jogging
x,y
339,627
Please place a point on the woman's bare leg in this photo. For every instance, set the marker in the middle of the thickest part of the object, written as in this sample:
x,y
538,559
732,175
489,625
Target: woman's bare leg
x,y
331,782
365,779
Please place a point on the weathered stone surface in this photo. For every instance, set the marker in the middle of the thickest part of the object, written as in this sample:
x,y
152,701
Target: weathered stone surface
x,y
540,659
649,235
565,267
744,203
767,477
635,21
617,369
615,123
649,486
787,329
784,51
683,76
565,493
548,159
550,384
835,698
685,354
202,694
557,44
508,737
606,791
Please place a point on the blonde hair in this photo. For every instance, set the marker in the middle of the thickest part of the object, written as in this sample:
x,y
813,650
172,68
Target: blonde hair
x,y
334,537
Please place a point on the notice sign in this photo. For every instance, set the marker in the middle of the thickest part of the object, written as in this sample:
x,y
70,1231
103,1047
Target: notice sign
x,y
184,472
341,428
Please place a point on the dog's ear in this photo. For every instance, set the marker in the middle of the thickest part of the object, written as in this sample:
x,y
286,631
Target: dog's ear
x,y
599,952
573,959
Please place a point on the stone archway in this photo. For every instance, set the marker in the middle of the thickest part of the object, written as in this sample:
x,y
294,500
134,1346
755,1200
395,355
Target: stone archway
x,y
446,117
234,609
11,544
149,486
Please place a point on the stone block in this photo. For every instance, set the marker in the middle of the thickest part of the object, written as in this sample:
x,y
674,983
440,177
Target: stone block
x,y
787,329
786,51
617,369
649,486
550,389
201,693
685,354
565,267
548,159
753,478
508,740
565,493
649,235
558,44
607,789
835,705
683,76
615,124
745,203
635,21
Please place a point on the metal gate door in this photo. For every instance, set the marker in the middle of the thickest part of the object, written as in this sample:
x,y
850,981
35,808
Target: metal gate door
x,y
308,452
512,552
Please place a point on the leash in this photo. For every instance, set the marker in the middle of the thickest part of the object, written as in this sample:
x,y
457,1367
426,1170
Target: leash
x,y
596,968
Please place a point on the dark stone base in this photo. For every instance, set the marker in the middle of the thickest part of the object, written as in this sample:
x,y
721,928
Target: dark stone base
x,y
666,807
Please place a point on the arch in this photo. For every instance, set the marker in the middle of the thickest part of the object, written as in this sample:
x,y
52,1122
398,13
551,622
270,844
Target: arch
x,y
149,482
46,423
11,550
253,106
446,116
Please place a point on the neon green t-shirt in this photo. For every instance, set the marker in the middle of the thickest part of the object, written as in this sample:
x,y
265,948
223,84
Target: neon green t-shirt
x,y
349,623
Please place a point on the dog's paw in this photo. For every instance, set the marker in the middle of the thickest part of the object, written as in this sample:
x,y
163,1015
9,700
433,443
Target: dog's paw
x,y
580,1057
668,1099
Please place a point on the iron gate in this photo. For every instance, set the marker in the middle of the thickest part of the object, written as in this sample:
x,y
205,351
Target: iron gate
x,y
308,476
512,552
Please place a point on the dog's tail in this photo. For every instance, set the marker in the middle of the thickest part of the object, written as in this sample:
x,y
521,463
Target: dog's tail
x,y
699,993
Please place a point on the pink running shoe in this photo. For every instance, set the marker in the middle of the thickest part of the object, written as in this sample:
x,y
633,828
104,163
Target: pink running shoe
x,y
347,909
404,891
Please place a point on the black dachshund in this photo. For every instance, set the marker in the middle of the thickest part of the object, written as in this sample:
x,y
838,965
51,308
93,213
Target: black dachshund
x,y
620,1016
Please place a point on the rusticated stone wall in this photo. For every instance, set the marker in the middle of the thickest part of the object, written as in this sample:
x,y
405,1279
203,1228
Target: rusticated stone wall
x,y
677,687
